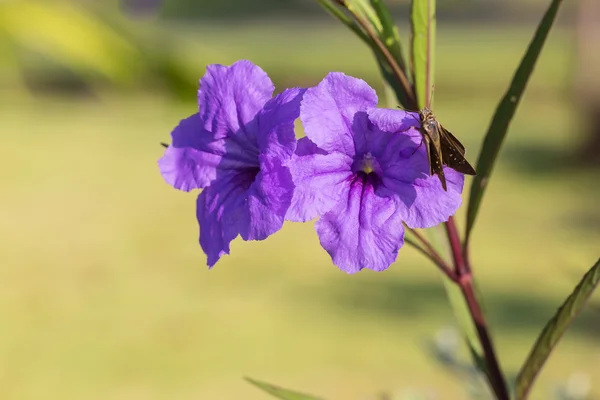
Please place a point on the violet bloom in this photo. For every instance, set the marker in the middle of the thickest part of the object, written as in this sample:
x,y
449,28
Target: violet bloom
x,y
235,148
361,170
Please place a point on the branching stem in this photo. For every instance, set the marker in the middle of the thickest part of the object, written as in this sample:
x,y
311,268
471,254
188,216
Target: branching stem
x,y
464,280
429,252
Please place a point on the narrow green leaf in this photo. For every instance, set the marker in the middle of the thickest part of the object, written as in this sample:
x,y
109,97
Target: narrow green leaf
x,y
554,330
422,20
345,19
281,393
363,7
478,360
391,81
504,114
389,33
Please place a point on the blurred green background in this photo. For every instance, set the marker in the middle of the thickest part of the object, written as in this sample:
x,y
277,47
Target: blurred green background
x,y
104,292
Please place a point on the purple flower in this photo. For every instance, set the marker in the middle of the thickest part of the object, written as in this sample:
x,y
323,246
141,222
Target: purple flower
x,y
361,170
236,148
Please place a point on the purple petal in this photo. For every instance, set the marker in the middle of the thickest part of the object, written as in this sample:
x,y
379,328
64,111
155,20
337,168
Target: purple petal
x,y
193,159
188,163
392,136
306,147
252,203
423,203
390,120
404,157
321,182
267,200
220,214
276,137
328,109
230,97
362,231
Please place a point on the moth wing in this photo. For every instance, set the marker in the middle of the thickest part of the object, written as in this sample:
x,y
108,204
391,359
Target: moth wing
x,y
436,165
452,139
453,158
428,147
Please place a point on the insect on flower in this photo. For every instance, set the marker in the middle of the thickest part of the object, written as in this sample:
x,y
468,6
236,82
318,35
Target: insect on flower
x,y
357,172
442,147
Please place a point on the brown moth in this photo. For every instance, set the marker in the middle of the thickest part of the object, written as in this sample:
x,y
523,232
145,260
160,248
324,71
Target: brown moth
x,y
442,147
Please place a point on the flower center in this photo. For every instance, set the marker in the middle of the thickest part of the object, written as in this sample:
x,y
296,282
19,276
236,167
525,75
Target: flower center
x,y
366,164
367,169
247,177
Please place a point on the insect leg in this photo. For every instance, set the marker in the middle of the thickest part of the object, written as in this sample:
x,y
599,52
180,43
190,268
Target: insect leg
x,y
418,147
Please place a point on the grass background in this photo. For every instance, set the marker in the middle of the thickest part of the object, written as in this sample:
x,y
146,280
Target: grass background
x,y
104,293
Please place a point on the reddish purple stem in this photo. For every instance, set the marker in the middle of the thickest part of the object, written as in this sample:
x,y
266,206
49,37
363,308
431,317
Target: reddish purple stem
x,y
464,275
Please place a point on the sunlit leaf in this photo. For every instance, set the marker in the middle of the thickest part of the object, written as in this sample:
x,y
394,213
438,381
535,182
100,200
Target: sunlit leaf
x,y
281,393
554,330
344,19
504,114
364,8
389,32
422,19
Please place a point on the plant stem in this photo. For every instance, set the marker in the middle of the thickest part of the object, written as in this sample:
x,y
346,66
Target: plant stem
x,y
462,269
430,253
494,373
460,264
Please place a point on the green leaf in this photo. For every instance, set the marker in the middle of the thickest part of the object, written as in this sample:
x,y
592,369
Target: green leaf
x,y
554,330
281,393
364,10
422,19
339,14
391,81
504,114
363,7
389,33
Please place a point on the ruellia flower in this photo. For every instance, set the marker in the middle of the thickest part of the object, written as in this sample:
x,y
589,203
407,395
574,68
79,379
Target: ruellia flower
x,y
236,149
361,169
